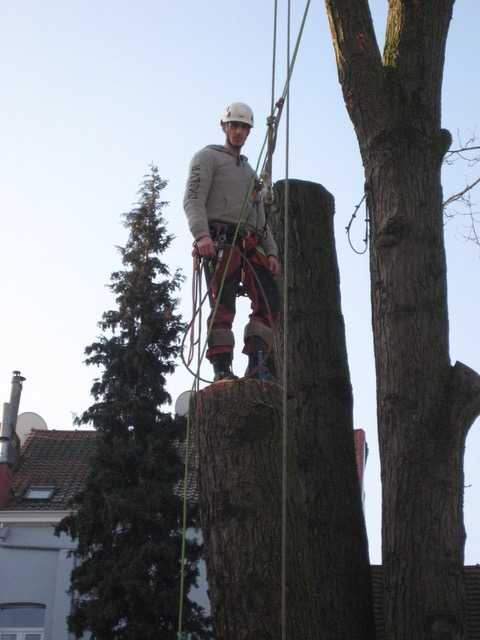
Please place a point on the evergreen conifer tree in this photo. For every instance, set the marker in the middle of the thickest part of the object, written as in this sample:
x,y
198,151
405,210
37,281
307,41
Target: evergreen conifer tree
x,y
127,520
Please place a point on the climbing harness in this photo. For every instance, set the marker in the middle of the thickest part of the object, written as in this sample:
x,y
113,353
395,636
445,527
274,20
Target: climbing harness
x,y
266,171
209,266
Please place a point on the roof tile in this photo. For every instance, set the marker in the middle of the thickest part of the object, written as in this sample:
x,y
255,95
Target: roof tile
x,y
59,458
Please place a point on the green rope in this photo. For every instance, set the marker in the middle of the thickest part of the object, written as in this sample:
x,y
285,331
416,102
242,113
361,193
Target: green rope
x,y
184,529
274,55
295,51
248,195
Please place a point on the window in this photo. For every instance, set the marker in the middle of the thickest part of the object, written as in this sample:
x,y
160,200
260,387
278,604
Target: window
x,y
21,634
22,621
39,492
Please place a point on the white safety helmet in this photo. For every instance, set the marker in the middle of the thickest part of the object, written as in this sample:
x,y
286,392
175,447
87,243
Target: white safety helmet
x,y
238,112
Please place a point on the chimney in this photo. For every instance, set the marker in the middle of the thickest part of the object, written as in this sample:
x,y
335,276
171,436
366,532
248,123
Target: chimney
x,y
9,443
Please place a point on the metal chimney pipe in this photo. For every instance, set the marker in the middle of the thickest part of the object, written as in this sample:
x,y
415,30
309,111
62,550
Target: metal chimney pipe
x,y
15,397
9,422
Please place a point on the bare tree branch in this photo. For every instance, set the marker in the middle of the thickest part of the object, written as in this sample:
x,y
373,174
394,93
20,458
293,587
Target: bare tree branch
x,y
460,194
467,152
464,150
452,151
473,235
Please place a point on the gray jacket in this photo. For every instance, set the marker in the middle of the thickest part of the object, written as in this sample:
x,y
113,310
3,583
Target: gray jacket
x,y
217,186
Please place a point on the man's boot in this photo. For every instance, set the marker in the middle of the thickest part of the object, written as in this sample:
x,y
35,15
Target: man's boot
x,y
222,367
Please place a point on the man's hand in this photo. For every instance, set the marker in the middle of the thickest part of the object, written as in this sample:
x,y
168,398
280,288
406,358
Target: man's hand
x,y
205,247
274,265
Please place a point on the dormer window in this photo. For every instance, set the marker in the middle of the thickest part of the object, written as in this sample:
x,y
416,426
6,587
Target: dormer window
x,y
40,492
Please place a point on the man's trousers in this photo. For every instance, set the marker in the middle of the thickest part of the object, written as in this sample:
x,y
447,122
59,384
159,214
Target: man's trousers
x,y
247,273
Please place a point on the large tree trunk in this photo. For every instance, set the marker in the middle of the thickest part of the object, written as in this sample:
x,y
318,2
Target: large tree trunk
x,y
239,436
394,105
421,448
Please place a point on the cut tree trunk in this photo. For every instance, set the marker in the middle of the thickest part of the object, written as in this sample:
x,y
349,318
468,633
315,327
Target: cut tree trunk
x,y
321,412
238,428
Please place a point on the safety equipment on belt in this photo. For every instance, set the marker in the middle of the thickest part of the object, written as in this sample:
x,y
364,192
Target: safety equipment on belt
x,y
238,112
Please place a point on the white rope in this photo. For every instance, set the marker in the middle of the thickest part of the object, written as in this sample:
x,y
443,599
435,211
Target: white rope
x,y
285,351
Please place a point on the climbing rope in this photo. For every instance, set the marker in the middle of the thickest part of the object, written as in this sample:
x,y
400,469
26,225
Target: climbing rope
x,y
276,109
274,54
183,554
196,295
285,351
201,351
349,225
196,388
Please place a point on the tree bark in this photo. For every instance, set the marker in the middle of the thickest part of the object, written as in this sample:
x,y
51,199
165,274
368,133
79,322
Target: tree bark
x,y
238,427
320,411
239,436
394,105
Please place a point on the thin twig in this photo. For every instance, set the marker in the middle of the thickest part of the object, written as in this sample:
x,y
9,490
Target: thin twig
x,y
458,196
452,151
473,236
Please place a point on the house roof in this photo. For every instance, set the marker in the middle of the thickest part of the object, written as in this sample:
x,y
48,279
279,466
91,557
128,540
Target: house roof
x,y
60,459
52,458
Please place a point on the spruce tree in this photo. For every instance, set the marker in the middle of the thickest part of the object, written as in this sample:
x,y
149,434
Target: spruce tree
x,y
128,519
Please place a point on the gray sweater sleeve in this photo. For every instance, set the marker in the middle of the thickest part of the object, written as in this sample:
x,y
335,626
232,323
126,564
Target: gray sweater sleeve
x,y
196,193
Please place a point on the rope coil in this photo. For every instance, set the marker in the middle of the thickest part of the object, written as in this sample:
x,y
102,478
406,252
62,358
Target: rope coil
x,y
190,331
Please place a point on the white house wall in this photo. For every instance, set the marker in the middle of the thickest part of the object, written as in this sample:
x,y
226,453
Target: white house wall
x,y
35,568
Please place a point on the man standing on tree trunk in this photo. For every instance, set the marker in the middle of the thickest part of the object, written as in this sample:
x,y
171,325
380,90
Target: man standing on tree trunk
x,y
216,203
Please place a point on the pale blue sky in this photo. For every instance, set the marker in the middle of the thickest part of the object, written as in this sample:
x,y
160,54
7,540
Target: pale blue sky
x,y
92,92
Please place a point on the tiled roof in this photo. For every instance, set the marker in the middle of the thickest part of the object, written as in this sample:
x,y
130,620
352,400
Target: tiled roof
x,y
472,612
61,459
57,458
